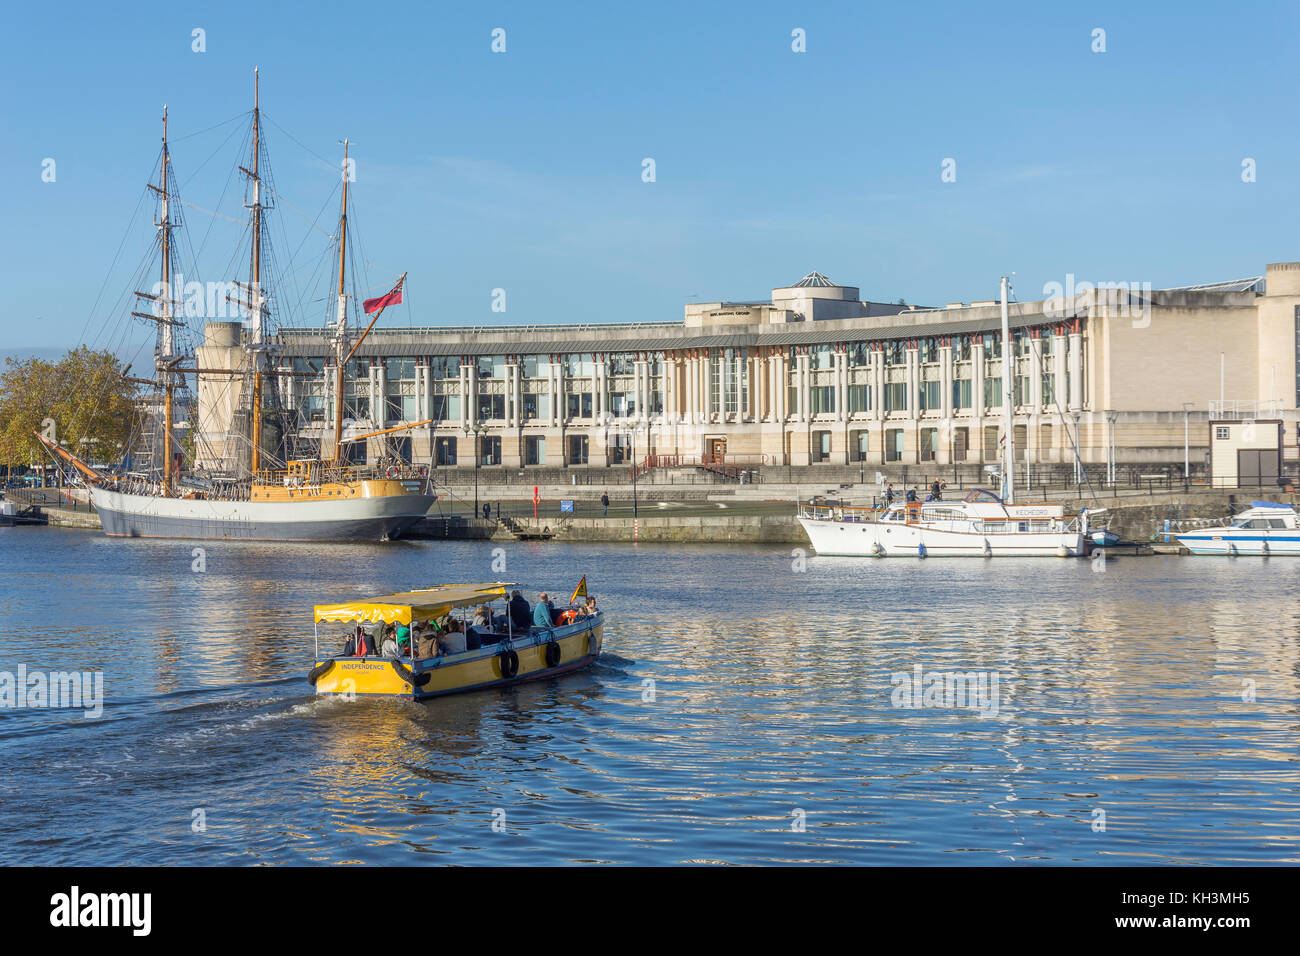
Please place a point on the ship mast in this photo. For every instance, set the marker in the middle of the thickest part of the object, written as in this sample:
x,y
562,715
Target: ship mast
x,y
163,312
255,300
341,328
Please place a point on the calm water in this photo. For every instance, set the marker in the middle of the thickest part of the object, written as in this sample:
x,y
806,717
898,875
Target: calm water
x,y
1120,691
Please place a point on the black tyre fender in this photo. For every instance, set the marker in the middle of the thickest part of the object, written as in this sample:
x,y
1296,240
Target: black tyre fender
x,y
319,671
509,662
406,674
553,653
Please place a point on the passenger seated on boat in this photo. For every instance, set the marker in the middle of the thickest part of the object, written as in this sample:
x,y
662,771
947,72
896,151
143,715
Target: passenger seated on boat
x,y
359,644
482,617
544,613
426,640
452,641
388,647
521,613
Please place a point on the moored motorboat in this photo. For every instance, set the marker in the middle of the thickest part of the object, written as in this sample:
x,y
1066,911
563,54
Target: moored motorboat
x,y
1266,527
504,654
980,525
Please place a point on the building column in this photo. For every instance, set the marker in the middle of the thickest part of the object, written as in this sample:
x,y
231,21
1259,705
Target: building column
x,y
1075,366
913,383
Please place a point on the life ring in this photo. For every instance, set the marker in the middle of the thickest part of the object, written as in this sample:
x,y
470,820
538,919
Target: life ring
x,y
424,471
393,471
406,674
319,671
553,654
509,662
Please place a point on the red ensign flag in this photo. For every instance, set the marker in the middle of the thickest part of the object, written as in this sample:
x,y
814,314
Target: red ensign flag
x,y
393,298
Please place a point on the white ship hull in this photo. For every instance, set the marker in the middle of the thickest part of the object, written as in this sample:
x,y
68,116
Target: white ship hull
x,y
1254,542
879,539
349,519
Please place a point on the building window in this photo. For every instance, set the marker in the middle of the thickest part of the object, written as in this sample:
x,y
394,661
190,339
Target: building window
x,y
579,406
1221,433
960,443
357,408
928,395
577,449
992,392
444,367
896,397
622,404
1049,386
491,366
929,350
491,406
859,398
859,354
991,447
992,345
821,449
929,443
537,406
578,366
1022,390
396,369
534,450
444,450
821,357
728,383
823,399
961,393
961,350
446,407
859,444
895,353
894,444
619,363
489,447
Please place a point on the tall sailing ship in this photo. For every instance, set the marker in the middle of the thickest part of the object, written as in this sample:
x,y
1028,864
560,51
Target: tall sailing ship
x,y
271,492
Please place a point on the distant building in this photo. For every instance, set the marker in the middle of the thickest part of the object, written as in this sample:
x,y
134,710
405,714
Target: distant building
x,y
814,375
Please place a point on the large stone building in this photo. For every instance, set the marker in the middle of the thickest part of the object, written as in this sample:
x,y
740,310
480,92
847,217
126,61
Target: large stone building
x,y
814,376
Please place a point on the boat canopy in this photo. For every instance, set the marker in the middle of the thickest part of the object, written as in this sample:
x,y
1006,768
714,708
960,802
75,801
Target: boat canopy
x,y
1271,504
420,605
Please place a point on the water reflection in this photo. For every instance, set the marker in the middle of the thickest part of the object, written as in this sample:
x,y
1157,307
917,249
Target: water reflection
x,y
737,697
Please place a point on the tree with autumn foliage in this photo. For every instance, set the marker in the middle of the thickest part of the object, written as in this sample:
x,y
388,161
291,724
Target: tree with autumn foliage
x,y
83,394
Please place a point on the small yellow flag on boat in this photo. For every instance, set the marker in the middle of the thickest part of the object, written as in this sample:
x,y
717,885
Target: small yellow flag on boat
x,y
579,591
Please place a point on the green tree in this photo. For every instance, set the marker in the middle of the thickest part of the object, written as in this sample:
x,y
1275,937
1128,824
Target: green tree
x,y
82,394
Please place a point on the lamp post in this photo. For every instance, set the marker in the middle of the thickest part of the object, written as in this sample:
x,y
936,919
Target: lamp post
x,y
477,431
631,428
1187,460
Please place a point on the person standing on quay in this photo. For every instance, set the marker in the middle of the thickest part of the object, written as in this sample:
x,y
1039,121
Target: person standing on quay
x,y
604,504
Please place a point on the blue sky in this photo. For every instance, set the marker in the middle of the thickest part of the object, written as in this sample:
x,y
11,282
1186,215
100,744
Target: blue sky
x,y
522,170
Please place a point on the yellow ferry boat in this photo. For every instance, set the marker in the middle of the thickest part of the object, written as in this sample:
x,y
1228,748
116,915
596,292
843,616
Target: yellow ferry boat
x,y
498,654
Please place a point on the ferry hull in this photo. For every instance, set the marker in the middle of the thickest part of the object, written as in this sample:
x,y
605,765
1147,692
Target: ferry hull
x,y
355,519
878,539
459,673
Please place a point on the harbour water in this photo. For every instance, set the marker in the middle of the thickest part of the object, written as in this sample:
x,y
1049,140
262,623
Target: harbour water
x,y
745,711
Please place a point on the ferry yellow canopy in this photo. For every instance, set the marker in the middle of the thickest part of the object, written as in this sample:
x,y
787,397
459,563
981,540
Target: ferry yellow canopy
x,y
421,605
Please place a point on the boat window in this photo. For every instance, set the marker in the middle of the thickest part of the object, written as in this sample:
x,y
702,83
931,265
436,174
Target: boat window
x,y
1277,522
